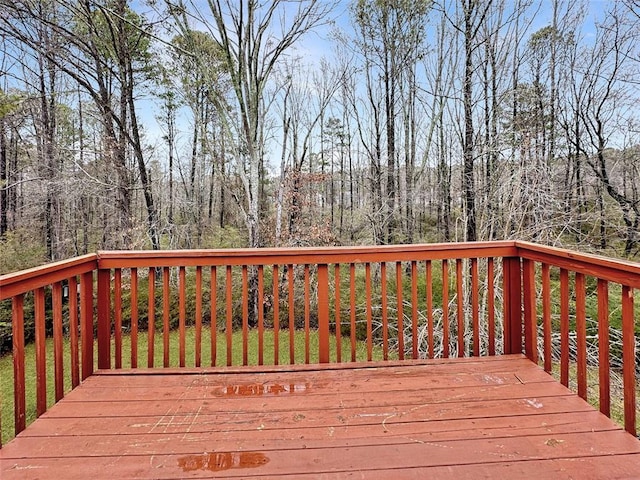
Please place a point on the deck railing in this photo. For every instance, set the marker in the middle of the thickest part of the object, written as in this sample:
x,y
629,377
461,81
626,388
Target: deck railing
x,y
273,306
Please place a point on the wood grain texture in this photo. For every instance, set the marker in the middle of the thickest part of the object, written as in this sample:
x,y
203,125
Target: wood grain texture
x,y
457,418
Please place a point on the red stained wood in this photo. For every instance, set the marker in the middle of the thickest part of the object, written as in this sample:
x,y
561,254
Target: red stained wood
x,y
17,330
261,305
245,315
41,357
491,307
198,313
182,316
530,313
352,304
604,373
445,308
104,317
166,311
307,313
429,286
628,360
462,418
460,309
384,307
56,296
134,317
73,331
229,314
151,318
117,299
564,327
214,315
367,279
399,318
336,276
581,334
475,307
86,321
323,314
546,316
414,310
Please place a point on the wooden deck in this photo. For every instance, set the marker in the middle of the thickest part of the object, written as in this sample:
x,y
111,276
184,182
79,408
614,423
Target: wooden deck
x,y
469,418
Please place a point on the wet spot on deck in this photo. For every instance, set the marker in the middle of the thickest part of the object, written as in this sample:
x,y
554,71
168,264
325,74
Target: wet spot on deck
x,y
216,462
265,389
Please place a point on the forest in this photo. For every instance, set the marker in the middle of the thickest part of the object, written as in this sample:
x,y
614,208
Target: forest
x,y
160,124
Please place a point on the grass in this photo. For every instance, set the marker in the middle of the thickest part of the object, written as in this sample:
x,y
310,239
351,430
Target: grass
x,y
6,362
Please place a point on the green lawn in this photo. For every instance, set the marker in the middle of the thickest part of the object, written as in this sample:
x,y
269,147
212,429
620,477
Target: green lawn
x,y
6,362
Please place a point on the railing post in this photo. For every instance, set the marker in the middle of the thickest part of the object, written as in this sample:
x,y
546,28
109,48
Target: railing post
x,y
512,305
323,313
104,319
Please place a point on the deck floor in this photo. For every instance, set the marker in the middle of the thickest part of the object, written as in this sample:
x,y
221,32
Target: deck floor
x,y
470,418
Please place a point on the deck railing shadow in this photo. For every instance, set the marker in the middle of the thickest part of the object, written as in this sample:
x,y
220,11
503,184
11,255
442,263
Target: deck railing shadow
x,y
571,312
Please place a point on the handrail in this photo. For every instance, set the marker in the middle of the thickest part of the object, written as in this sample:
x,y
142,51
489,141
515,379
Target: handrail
x,y
430,300
24,281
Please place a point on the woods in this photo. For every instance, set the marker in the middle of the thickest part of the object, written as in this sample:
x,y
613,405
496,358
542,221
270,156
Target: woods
x,y
291,123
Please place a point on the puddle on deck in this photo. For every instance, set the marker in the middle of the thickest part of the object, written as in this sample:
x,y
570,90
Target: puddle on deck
x,y
264,389
216,462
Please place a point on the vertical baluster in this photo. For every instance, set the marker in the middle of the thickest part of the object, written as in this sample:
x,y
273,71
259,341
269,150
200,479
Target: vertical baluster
x,y
229,326
367,267
352,305
58,365
307,313
73,331
385,316
628,361
460,308
546,316
530,314
245,315
166,305
198,359
491,306
604,380
414,309
564,327
182,315
581,333
86,320
429,292
117,297
400,318
323,313
445,308
475,307
41,356
17,332
151,318
336,275
276,313
292,317
260,314
134,318
213,323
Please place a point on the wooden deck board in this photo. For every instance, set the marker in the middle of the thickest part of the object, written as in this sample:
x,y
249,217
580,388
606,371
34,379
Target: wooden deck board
x,y
441,419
